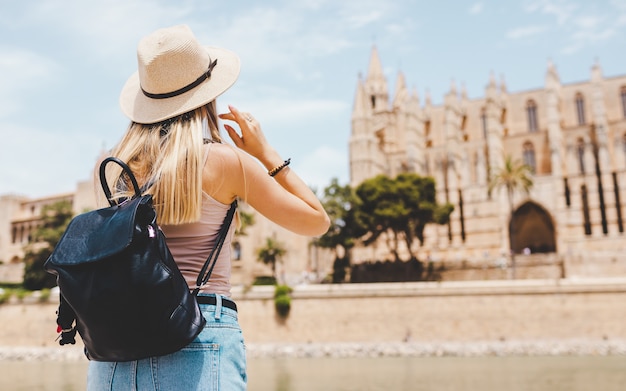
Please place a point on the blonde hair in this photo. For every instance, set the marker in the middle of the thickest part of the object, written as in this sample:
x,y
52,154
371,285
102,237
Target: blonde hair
x,y
168,158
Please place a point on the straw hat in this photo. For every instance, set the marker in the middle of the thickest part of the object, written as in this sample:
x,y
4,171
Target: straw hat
x,y
176,75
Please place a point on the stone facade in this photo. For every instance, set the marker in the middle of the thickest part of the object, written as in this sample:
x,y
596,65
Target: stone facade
x,y
573,136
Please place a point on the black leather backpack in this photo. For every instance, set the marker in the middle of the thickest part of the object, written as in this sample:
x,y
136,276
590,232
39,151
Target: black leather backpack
x,y
119,282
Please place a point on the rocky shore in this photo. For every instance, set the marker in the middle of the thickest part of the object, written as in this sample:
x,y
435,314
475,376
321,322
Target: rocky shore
x,y
373,350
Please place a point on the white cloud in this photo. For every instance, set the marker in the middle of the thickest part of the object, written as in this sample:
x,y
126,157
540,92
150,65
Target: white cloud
x,y
525,32
358,20
476,8
355,15
562,10
22,71
103,28
583,24
587,21
277,39
40,162
323,164
287,111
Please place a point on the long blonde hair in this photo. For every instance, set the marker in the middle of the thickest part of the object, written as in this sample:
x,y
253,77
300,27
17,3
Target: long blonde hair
x,y
168,157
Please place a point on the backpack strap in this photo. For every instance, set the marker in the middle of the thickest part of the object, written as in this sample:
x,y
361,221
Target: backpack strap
x,y
125,170
204,275
65,322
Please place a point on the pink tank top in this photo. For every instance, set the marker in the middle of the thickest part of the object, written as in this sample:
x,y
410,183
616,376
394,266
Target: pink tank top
x,y
191,244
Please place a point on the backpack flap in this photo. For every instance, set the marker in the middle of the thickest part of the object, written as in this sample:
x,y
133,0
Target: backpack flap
x,y
102,233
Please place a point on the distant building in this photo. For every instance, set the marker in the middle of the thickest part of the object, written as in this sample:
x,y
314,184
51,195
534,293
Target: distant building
x,y
573,136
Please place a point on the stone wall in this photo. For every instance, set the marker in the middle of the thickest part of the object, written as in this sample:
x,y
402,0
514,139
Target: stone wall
x,y
447,311
385,313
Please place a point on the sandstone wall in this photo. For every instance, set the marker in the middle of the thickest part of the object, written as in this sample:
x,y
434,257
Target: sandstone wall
x,y
462,311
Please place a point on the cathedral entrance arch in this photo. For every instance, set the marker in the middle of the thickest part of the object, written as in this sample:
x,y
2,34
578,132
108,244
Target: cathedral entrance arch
x,y
531,227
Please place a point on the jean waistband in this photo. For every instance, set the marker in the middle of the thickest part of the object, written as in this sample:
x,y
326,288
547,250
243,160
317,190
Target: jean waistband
x,y
211,300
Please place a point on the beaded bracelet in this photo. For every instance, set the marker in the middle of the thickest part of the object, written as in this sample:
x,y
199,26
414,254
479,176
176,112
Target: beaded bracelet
x,y
277,169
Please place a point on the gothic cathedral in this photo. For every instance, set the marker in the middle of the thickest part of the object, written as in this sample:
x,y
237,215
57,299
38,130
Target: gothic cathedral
x,y
572,136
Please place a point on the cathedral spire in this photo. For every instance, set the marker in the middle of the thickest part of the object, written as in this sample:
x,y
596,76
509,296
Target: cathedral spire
x,y
491,91
596,71
415,95
492,79
402,94
451,99
552,76
376,84
375,71
361,106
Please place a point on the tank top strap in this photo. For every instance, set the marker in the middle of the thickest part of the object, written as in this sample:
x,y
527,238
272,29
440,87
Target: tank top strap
x,y
208,143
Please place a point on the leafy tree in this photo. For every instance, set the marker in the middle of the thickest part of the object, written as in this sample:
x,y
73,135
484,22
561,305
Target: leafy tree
x,y
400,208
272,252
419,196
340,202
246,220
382,210
55,218
514,176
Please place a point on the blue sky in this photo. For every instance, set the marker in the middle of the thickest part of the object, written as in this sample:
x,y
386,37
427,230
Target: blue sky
x,y
63,64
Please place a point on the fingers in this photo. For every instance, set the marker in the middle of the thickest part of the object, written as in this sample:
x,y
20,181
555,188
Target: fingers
x,y
236,115
232,133
249,136
245,121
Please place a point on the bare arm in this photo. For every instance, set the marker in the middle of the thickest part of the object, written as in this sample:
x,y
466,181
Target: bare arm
x,y
285,198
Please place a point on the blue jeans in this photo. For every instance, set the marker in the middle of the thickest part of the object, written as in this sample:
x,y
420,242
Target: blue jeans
x,y
214,361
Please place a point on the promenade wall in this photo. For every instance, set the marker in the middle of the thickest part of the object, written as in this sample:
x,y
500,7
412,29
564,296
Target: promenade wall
x,y
461,311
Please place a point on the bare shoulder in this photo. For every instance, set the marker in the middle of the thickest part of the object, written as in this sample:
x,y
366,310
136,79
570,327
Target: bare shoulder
x,y
220,151
217,178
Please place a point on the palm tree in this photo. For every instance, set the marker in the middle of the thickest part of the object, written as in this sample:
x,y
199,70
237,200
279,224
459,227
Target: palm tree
x,y
513,176
271,253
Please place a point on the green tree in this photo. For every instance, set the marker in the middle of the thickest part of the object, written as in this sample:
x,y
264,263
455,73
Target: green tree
x,y
245,220
340,202
514,176
271,253
54,220
400,208
419,196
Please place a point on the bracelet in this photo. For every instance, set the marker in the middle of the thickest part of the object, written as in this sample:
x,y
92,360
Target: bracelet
x,y
277,169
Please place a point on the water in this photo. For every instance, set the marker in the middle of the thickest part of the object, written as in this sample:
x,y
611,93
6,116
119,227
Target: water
x,y
381,374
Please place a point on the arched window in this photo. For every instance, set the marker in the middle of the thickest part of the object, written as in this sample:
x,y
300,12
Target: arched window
x,y
623,96
529,156
531,113
580,151
580,108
